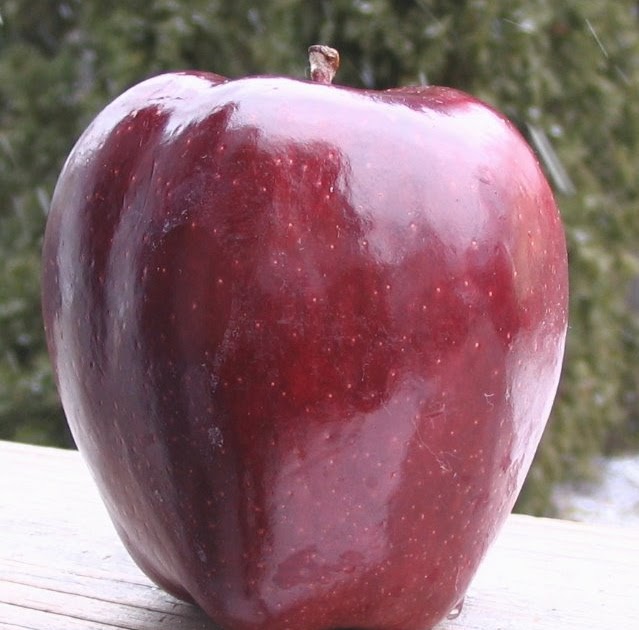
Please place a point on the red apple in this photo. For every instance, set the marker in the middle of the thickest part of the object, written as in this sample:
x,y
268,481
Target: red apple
x,y
307,338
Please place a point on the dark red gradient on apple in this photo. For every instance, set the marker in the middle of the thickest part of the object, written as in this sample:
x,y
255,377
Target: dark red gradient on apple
x,y
307,338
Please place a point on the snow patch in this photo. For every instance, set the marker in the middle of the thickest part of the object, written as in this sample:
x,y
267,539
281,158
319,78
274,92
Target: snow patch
x,y
613,500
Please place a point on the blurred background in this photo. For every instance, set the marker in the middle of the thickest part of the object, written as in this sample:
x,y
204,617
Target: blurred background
x,y
567,73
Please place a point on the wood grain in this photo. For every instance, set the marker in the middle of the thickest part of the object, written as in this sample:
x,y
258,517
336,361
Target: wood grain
x,y
63,568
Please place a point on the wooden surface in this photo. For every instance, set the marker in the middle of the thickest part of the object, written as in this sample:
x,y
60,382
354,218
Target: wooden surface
x,y
63,568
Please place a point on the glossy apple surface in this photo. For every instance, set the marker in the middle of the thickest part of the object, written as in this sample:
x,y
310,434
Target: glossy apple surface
x,y
307,338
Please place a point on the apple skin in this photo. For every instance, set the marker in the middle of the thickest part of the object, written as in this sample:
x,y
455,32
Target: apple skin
x,y
307,338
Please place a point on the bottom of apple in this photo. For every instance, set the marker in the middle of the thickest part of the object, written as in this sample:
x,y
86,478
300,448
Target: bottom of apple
x,y
304,623
453,614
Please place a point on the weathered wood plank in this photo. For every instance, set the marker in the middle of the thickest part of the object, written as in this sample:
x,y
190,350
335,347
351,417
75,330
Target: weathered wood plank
x,y
62,566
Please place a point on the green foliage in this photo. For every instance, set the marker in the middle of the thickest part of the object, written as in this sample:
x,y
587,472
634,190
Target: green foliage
x,y
569,70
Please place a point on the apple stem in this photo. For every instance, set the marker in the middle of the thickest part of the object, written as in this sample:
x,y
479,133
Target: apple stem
x,y
324,63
